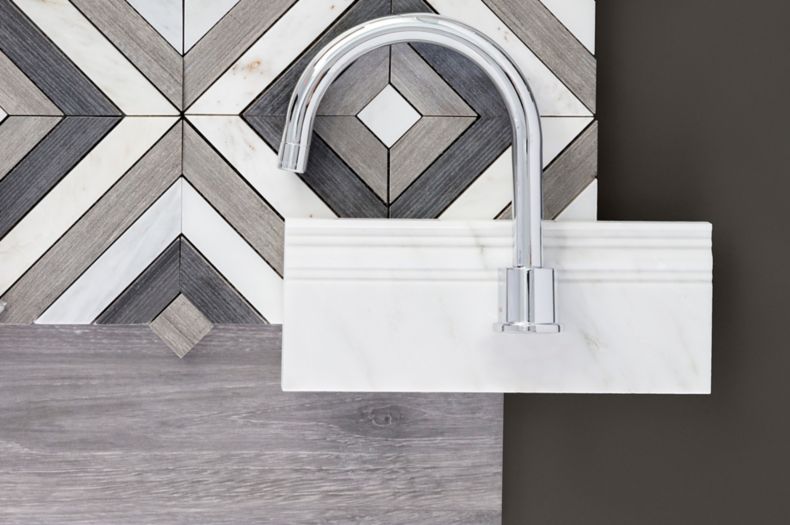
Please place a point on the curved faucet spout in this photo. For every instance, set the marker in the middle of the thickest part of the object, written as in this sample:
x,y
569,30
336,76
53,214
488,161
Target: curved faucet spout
x,y
528,283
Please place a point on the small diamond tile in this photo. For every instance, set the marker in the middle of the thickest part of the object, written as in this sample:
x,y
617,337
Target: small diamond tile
x,y
389,116
181,325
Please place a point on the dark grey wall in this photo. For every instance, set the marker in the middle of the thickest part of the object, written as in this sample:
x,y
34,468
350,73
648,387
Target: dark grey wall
x,y
694,125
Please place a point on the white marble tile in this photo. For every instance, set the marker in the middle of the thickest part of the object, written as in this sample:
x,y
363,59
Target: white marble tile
x,y
269,56
584,207
257,163
97,57
389,116
578,16
551,95
120,265
398,305
166,16
231,255
492,191
76,193
200,16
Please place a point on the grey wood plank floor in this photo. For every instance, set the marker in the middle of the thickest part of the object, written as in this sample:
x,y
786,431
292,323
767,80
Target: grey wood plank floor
x,y
104,424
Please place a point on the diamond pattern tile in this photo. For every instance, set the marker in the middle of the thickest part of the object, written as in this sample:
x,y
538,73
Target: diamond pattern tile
x,y
389,116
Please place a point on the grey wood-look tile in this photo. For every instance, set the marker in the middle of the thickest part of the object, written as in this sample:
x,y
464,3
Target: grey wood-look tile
x,y
18,136
235,200
95,231
181,325
227,41
568,175
358,147
423,87
551,41
139,42
357,85
327,175
420,146
102,424
208,290
274,100
20,96
49,161
150,293
454,170
55,75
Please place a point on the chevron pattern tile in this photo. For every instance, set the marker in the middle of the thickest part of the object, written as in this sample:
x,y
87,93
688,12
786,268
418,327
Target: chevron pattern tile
x,y
138,178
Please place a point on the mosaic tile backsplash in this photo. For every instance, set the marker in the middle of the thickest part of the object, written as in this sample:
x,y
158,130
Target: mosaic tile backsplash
x,y
138,178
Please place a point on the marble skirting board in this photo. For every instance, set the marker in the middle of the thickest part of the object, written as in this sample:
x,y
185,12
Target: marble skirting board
x,y
103,424
410,306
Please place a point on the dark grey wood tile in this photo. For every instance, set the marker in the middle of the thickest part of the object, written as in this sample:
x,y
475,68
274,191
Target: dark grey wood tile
x,y
149,293
103,424
454,170
551,41
139,42
233,198
358,84
420,146
205,287
331,178
568,175
86,240
423,87
274,100
51,160
226,42
359,148
54,74
18,136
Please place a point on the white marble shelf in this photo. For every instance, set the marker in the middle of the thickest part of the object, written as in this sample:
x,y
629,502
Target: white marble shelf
x,y
406,305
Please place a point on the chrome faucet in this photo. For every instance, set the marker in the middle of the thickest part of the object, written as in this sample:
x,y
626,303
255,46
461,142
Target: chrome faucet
x,y
527,297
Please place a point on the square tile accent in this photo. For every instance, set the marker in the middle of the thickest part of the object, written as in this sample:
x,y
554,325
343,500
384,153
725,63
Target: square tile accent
x,y
389,116
181,325
138,154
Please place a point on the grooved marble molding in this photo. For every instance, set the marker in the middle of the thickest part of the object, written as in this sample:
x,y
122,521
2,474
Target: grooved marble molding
x,y
138,181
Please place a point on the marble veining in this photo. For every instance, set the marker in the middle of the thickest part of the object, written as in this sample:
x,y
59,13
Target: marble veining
x,y
402,305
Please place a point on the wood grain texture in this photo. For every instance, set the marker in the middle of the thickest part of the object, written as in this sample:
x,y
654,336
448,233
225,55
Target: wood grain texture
x,y
236,201
357,85
150,293
19,95
551,41
568,175
327,175
210,292
423,87
274,100
226,41
181,325
105,425
54,74
52,158
18,136
358,147
139,42
420,146
440,184
63,263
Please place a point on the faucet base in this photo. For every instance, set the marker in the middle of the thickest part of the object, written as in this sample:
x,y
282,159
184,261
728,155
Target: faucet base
x,y
527,301
527,328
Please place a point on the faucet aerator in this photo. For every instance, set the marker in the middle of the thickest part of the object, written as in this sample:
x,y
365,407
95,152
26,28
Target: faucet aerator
x,y
288,157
